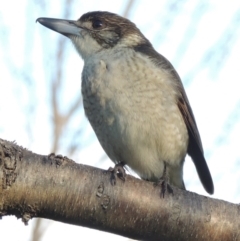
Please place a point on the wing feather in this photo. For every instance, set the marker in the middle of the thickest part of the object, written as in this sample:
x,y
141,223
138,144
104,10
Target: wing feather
x,y
195,149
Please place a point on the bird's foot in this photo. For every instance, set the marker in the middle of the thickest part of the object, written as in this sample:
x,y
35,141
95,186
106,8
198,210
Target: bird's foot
x,y
164,186
163,182
117,171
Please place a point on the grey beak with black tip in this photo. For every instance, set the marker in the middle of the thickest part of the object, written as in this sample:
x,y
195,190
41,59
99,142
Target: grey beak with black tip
x,y
65,27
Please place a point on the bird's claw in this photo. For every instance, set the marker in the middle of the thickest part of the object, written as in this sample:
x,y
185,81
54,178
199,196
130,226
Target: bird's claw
x,y
164,186
117,171
163,182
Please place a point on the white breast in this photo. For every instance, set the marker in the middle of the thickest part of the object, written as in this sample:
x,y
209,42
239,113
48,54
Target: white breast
x,y
131,105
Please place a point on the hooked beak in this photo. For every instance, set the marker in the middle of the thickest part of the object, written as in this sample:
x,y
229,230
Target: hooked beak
x,y
65,27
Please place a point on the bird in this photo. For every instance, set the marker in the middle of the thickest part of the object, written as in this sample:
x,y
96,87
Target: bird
x,y
134,99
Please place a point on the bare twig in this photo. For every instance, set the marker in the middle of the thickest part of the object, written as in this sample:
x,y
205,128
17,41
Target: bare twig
x,y
128,8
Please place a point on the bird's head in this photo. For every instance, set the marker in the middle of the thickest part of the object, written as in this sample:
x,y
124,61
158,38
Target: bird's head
x,y
96,31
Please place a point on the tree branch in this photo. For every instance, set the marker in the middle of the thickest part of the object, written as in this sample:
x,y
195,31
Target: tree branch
x,y
55,187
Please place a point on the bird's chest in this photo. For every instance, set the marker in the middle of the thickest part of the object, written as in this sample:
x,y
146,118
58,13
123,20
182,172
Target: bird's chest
x,y
117,90
131,103
105,96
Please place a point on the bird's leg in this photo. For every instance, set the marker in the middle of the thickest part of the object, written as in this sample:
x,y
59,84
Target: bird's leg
x,y
117,171
164,182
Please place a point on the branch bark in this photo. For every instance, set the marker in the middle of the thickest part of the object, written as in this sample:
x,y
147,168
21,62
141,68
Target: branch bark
x,y
55,187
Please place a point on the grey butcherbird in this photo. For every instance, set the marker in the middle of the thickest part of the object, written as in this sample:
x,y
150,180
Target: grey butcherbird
x,y
134,99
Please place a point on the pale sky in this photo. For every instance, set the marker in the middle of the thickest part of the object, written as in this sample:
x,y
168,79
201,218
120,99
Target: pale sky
x,y
202,41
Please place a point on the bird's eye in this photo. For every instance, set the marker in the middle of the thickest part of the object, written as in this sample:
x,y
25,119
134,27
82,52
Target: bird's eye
x,y
96,24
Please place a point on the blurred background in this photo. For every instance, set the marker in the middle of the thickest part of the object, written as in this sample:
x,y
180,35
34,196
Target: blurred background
x,y
40,83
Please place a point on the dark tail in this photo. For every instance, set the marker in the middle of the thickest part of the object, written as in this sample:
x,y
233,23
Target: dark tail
x,y
200,163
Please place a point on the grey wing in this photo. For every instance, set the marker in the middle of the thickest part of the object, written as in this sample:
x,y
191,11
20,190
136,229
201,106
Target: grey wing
x,y
195,149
